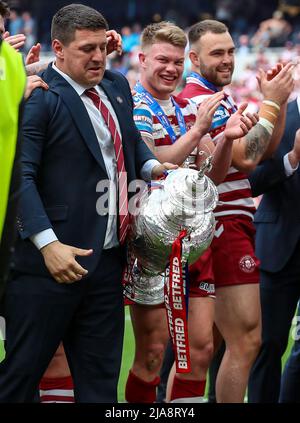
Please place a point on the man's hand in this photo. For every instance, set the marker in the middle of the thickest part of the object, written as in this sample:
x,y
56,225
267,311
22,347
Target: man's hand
x,y
294,154
160,170
271,73
206,112
239,125
33,55
278,84
34,82
114,42
16,41
60,261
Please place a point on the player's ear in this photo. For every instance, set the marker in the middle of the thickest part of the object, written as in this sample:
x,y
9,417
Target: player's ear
x,y
142,58
194,58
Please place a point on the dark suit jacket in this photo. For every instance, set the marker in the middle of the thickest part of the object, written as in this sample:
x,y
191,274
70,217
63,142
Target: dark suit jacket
x,y
62,164
277,219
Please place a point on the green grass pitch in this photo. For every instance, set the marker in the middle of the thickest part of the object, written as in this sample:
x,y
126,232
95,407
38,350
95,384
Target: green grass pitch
x,y
128,353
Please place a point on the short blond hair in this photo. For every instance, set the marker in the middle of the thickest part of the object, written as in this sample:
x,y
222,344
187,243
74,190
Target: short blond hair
x,y
164,31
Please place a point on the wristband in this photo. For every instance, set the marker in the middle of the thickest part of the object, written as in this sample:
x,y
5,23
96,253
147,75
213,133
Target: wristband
x,y
272,103
266,124
269,112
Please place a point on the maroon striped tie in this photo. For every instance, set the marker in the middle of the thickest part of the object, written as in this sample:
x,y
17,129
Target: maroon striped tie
x,y
122,175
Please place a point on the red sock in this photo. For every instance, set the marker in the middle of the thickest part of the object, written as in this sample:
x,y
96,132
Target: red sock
x,y
139,391
58,389
185,388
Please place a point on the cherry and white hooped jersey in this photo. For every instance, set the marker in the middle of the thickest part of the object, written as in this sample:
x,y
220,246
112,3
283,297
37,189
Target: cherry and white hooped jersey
x,y
150,126
235,196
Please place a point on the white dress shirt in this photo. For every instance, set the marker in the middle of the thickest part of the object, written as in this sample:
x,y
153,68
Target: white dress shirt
x,y
108,153
289,170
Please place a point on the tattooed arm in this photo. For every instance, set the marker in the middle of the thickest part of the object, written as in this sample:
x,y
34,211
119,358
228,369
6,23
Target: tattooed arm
x,y
257,142
35,68
277,133
262,140
248,151
236,127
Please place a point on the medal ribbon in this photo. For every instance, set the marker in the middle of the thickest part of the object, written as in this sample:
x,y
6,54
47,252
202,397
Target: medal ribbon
x,y
204,83
158,111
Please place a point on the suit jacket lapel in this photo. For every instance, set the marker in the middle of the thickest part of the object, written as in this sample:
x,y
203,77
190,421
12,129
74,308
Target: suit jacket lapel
x,y
79,114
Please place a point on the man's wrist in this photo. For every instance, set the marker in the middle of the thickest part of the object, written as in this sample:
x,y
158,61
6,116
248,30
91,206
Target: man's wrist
x,y
272,103
271,100
48,246
197,132
229,139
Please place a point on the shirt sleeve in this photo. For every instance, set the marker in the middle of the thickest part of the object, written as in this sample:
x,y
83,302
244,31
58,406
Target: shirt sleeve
x,y
43,238
143,121
289,170
147,169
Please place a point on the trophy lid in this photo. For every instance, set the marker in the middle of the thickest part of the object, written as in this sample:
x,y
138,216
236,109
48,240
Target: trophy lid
x,y
191,190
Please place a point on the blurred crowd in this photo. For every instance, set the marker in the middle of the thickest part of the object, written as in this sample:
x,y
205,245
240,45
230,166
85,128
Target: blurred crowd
x,y
259,44
263,36
23,23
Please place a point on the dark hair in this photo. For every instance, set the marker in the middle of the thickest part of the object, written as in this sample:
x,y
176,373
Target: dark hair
x,y
72,17
4,9
201,28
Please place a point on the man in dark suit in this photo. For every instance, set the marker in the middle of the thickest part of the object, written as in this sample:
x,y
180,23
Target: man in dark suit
x,y
66,284
278,248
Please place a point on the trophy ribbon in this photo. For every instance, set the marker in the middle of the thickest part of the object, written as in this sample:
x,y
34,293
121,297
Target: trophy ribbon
x,y
176,307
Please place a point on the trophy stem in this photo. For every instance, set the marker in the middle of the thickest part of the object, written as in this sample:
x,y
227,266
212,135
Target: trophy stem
x,y
206,166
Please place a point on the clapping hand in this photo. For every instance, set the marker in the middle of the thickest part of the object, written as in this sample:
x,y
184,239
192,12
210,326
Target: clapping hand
x,y
239,125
